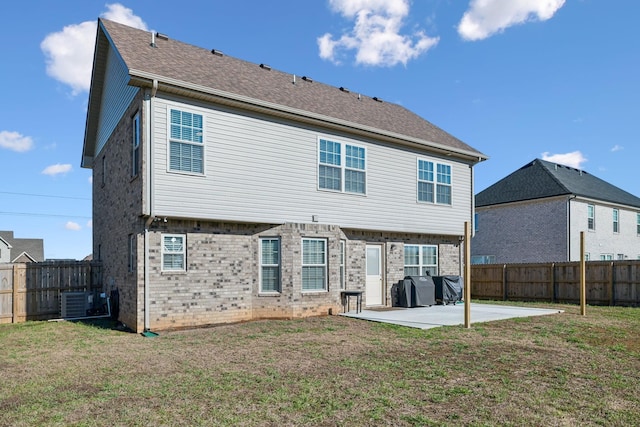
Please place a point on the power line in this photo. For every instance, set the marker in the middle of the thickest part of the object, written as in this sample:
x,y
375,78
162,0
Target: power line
x,y
44,195
43,214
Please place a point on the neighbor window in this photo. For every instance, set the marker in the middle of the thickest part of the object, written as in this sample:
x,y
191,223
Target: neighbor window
x,y
186,150
314,264
620,256
587,256
341,170
591,217
269,265
606,257
343,271
420,260
483,259
434,182
173,252
132,253
638,223
135,145
616,221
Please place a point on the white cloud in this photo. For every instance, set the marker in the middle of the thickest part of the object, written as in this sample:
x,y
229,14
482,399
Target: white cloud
x,y
15,142
617,148
90,179
487,17
57,169
574,159
375,35
70,225
69,53
90,224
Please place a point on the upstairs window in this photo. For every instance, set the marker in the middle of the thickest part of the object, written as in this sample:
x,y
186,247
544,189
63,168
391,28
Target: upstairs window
x,y
616,221
434,182
135,145
638,223
341,167
420,260
186,150
591,217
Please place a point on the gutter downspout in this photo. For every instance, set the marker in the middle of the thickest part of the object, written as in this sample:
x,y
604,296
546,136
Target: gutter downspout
x,y
569,199
151,215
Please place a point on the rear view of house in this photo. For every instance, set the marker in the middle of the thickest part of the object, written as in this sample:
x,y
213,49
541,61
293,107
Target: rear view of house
x,y
226,191
536,214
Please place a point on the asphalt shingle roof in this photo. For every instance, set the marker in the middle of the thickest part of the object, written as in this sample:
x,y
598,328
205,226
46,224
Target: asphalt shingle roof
x,y
181,62
540,179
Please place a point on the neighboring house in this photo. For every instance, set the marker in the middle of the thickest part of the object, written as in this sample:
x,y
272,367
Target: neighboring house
x,y
20,250
536,214
226,191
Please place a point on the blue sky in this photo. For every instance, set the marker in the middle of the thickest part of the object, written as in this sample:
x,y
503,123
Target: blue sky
x,y
515,79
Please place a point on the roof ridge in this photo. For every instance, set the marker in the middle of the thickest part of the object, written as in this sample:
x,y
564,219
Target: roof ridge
x,y
544,164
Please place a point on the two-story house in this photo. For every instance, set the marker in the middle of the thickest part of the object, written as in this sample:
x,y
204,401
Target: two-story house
x,y
17,250
536,214
226,191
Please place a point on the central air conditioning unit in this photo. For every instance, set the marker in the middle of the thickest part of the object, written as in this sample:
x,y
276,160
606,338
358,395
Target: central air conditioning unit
x,y
75,304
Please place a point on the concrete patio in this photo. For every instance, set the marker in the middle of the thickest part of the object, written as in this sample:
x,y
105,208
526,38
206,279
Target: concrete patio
x,y
442,315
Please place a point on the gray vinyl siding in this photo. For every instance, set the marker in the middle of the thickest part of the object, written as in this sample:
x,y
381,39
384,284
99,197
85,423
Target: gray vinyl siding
x,y
265,171
117,96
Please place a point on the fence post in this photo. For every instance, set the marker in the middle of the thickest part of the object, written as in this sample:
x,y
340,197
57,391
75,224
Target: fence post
x,y
611,284
554,291
505,292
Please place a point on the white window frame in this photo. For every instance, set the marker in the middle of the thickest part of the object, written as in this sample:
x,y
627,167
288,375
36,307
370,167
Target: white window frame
x,y
606,257
132,253
638,224
591,217
616,221
421,265
270,266
182,252
342,166
135,145
185,142
308,266
343,264
436,179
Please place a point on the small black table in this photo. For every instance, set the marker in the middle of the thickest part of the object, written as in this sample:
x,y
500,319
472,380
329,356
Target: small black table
x,y
346,294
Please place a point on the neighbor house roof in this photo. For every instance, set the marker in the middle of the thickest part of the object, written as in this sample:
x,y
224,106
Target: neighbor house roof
x,y
20,248
541,179
189,70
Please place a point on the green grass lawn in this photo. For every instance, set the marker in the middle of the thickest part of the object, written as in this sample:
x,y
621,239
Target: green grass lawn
x,y
561,369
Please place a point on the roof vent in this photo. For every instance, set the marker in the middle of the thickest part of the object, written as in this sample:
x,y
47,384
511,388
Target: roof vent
x,y
265,66
153,39
162,36
344,89
217,52
307,79
375,98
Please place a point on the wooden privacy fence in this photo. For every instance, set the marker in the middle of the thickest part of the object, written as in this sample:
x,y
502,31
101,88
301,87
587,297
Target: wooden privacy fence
x,y
607,282
31,291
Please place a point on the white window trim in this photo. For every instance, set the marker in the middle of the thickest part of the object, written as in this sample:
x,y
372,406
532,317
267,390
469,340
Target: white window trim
x,y
615,218
343,264
135,145
420,265
593,217
278,265
434,182
343,166
183,108
183,252
638,224
324,265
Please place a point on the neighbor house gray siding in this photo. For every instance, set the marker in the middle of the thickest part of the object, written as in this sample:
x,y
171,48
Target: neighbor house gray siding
x,y
265,170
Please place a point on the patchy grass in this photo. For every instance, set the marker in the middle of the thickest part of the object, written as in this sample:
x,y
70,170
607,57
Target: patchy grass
x,y
562,369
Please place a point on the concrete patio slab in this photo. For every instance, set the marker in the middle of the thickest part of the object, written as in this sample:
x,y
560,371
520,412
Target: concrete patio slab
x,y
451,314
